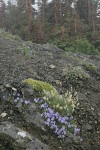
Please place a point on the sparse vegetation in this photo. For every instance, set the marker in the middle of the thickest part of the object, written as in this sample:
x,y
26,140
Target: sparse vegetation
x,y
90,67
81,45
76,76
24,50
9,36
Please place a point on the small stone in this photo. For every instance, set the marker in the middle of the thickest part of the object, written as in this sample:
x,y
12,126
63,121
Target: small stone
x,y
4,114
11,112
95,122
88,127
52,66
90,122
58,82
98,119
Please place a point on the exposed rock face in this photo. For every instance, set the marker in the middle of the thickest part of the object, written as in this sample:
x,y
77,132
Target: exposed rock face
x,y
25,130
18,139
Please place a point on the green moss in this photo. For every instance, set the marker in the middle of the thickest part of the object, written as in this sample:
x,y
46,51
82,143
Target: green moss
x,y
40,86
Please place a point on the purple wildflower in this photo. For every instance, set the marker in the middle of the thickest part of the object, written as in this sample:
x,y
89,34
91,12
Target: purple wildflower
x,y
76,131
35,100
15,100
26,102
70,125
18,94
62,132
56,115
45,105
47,122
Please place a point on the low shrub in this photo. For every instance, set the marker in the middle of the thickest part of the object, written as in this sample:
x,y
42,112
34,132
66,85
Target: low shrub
x,y
76,76
83,46
90,67
24,50
9,36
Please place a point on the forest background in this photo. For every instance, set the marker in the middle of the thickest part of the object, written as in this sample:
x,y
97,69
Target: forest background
x,y
72,25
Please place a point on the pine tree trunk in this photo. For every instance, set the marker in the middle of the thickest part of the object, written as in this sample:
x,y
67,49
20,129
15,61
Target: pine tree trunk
x,y
60,10
43,8
89,14
75,19
55,11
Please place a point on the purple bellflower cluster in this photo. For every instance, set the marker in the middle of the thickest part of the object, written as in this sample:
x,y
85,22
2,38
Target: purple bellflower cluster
x,y
20,101
59,124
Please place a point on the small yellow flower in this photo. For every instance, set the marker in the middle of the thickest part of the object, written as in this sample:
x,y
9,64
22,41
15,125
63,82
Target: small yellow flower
x,y
73,106
57,106
49,102
44,98
54,106
61,108
65,107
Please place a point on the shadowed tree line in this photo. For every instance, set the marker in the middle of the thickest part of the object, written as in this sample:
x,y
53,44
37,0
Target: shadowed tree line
x,y
55,20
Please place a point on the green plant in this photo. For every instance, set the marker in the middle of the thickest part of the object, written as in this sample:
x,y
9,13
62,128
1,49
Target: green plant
x,y
82,45
64,105
76,76
50,95
24,50
40,87
60,43
9,36
90,67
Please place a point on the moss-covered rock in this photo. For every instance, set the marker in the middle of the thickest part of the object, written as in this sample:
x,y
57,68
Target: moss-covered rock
x,y
51,96
40,86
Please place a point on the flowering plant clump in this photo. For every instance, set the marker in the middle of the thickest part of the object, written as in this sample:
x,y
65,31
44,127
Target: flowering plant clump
x,y
64,105
19,101
59,124
57,112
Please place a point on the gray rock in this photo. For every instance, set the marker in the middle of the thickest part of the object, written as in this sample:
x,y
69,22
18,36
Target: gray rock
x,y
88,127
33,116
21,139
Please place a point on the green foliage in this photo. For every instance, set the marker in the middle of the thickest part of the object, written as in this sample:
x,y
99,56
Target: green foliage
x,y
24,50
82,45
76,76
97,44
64,105
41,86
90,67
63,44
61,104
9,36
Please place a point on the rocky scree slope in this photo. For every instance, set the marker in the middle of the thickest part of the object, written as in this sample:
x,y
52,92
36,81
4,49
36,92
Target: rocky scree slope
x,y
20,60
